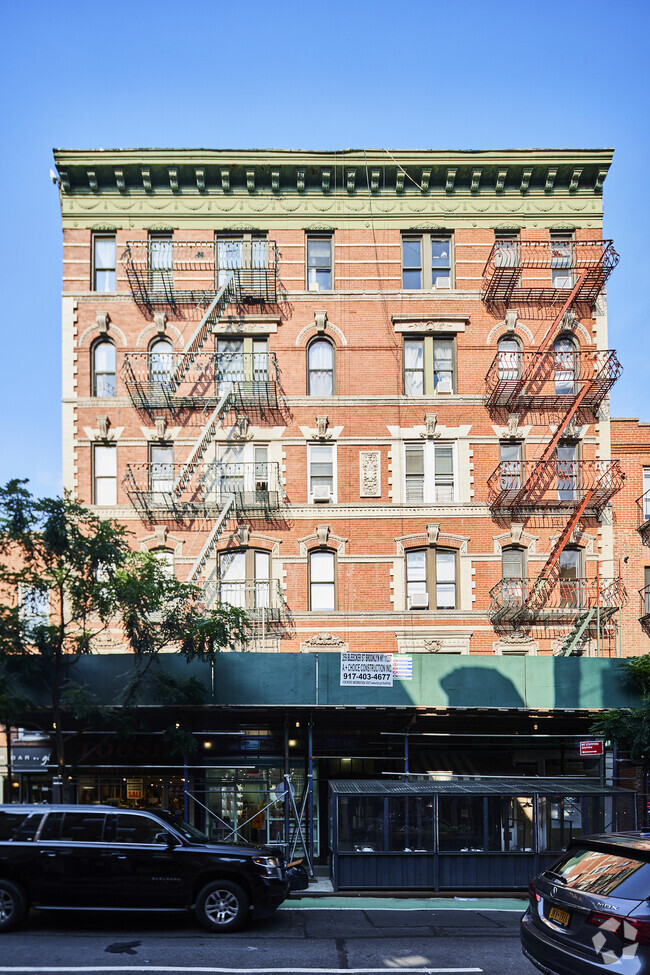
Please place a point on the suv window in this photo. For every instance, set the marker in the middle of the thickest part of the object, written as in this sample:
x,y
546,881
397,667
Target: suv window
x,y
136,829
74,827
19,826
602,872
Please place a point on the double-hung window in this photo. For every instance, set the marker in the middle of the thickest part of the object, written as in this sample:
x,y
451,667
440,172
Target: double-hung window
x,y
105,474
429,365
426,261
646,493
512,574
241,359
104,262
321,462
561,258
34,608
429,473
431,579
161,472
244,579
104,369
322,580
567,471
511,477
160,261
246,256
319,262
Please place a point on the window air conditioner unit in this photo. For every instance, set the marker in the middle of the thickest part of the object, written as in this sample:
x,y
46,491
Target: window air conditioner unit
x,y
419,600
443,283
322,493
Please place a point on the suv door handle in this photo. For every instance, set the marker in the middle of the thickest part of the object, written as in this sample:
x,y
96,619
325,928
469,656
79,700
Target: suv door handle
x,y
119,856
48,853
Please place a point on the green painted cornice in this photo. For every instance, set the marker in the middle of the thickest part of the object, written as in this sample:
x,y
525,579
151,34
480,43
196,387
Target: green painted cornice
x,y
275,188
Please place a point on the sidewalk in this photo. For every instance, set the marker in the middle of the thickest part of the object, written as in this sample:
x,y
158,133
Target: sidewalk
x,y
321,896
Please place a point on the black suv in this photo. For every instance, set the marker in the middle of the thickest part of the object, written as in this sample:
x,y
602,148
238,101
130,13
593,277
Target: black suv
x,y
102,858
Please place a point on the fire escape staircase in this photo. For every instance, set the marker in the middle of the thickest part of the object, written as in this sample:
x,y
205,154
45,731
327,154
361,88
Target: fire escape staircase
x,y
531,490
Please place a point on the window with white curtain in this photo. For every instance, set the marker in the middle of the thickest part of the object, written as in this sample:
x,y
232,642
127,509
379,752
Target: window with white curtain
x,y
322,581
320,464
104,369
320,368
429,365
105,474
104,262
161,365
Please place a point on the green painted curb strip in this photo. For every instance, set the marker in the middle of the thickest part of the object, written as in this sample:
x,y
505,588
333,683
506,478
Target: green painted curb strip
x,y
406,904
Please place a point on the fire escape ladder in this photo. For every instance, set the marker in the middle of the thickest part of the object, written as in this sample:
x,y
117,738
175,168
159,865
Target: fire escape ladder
x,y
550,574
534,364
215,309
571,644
207,435
210,541
542,465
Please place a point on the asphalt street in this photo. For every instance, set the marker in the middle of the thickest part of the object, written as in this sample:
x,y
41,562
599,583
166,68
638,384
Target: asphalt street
x,y
297,940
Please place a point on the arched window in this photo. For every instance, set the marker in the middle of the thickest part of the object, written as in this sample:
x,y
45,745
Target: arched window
x,y
510,362
165,559
161,365
513,561
320,368
322,580
103,369
565,358
431,579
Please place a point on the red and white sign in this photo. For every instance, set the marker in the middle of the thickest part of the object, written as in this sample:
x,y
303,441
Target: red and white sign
x,y
588,748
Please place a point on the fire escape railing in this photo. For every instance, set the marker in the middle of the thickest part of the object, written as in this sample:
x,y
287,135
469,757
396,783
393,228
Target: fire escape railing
x,y
562,486
154,491
643,509
188,272
511,599
199,379
544,272
259,597
562,273
558,377
644,608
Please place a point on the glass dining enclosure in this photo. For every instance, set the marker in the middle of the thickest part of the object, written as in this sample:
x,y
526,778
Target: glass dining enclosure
x,y
462,834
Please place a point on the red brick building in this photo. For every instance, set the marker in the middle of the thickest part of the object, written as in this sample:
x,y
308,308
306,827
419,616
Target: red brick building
x,y
365,396
631,516
275,371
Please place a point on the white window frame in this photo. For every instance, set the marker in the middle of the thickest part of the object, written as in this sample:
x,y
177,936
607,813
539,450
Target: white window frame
x,y
310,494
102,450
429,448
431,386
430,579
322,583
97,238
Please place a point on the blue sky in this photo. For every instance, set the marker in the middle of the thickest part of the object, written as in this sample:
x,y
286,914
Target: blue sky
x,y
434,75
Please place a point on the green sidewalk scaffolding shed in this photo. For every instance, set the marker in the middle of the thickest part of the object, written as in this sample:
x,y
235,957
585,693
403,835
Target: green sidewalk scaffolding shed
x,y
462,833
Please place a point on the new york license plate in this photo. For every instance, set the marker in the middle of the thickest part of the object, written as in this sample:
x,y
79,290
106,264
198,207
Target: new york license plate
x,y
559,916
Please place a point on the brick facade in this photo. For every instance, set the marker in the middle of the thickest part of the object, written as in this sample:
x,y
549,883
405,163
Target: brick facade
x,y
371,427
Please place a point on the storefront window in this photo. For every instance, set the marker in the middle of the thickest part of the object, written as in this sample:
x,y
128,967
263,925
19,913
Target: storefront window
x,y
361,824
411,824
561,820
461,823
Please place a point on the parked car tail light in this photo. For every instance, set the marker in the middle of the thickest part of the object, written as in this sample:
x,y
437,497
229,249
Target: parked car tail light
x,y
627,929
532,893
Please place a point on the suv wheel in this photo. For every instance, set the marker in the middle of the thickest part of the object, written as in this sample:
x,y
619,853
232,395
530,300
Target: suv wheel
x,y
13,905
221,906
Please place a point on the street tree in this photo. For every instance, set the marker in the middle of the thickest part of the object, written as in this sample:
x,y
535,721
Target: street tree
x,y
69,577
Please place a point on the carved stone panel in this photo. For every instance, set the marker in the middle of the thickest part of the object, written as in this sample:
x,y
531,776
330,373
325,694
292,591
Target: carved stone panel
x,y
370,474
433,641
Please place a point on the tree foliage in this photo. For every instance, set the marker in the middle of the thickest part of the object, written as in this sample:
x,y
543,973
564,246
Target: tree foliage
x,y
630,727
67,577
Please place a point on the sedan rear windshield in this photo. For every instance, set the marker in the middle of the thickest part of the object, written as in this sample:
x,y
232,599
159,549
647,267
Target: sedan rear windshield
x,y
601,872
